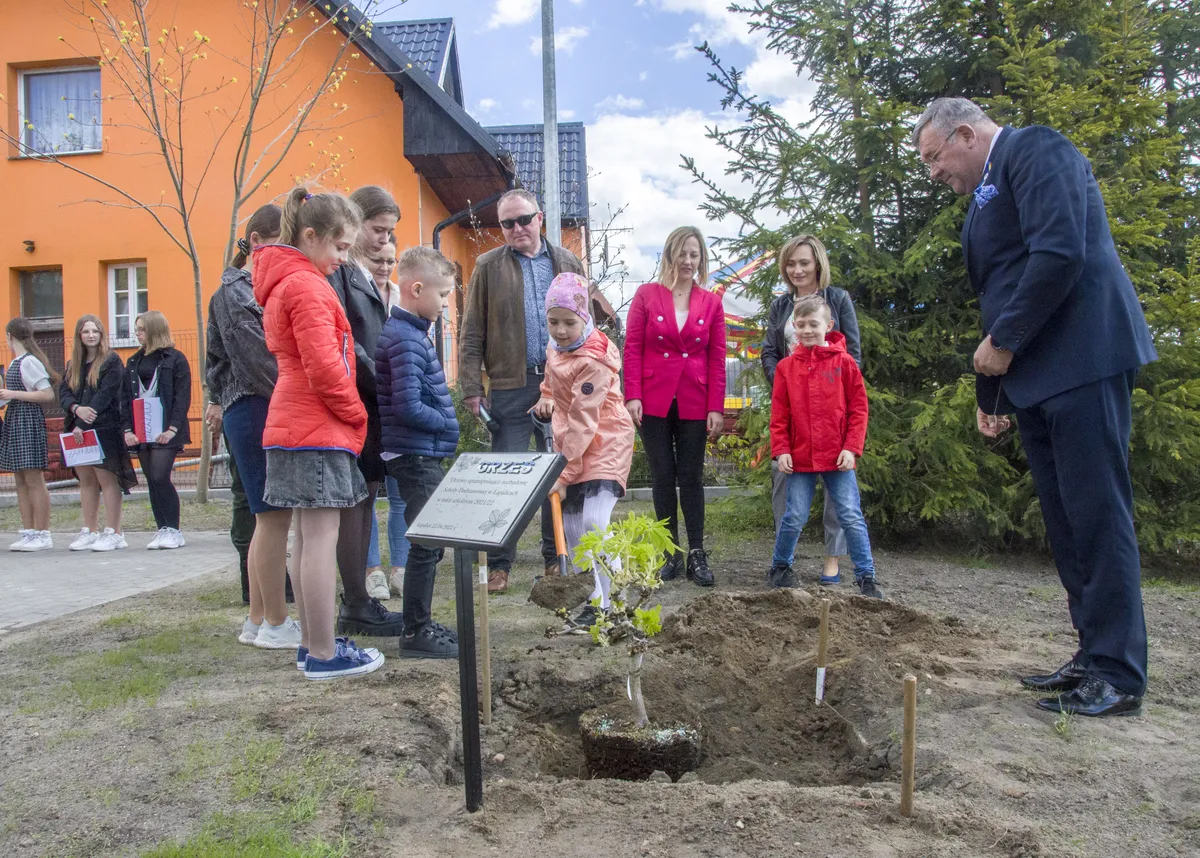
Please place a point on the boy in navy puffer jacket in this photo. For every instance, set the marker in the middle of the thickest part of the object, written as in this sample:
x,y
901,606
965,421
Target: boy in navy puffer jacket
x,y
419,429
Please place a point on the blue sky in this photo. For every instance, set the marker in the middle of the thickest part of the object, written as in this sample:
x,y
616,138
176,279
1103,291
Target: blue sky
x,y
626,68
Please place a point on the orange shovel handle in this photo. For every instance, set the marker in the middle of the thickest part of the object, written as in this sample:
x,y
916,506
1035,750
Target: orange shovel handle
x,y
560,538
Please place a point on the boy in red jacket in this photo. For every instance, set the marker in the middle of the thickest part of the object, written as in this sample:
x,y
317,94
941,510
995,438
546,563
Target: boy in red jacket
x,y
818,428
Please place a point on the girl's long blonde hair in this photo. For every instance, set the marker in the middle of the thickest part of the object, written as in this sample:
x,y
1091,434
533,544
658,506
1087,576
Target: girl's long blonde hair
x,y
79,355
158,332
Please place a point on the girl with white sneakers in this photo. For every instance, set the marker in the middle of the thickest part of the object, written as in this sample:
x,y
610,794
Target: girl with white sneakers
x,y
90,394
28,387
159,371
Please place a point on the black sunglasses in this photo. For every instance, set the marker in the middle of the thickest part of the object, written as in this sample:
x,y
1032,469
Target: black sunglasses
x,y
523,220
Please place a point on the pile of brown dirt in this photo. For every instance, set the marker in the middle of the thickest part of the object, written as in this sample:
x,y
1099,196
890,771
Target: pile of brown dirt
x,y
741,667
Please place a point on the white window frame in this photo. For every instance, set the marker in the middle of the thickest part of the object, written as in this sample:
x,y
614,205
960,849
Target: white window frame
x,y
23,150
131,292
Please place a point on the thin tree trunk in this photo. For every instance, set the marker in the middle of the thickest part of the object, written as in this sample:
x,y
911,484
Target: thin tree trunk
x,y
640,718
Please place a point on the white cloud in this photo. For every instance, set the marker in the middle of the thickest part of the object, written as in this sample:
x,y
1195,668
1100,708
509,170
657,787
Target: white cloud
x,y
565,40
617,103
487,104
643,75
508,13
566,114
635,163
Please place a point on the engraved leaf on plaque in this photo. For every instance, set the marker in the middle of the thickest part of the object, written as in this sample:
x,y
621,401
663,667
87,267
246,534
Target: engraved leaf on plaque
x,y
497,519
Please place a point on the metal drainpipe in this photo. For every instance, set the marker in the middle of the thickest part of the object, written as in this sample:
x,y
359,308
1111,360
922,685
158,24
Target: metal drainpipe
x,y
437,245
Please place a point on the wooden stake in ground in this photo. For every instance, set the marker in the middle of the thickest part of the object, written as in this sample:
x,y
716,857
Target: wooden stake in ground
x,y
908,755
485,639
822,650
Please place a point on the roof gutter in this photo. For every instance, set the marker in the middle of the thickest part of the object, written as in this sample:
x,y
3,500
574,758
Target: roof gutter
x,y
458,217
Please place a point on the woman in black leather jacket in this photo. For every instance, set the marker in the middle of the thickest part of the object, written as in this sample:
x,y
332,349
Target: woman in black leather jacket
x,y
804,269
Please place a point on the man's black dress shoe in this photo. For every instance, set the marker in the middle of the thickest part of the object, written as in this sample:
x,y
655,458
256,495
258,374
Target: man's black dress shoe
x,y
1094,698
1064,679
370,618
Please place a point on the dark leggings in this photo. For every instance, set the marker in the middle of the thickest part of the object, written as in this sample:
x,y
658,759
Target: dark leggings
x,y
675,453
157,463
354,537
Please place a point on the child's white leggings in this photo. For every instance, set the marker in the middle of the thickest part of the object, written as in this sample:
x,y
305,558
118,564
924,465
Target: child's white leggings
x,y
596,513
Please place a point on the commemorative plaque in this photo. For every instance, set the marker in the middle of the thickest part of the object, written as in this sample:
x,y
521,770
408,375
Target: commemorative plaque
x,y
485,501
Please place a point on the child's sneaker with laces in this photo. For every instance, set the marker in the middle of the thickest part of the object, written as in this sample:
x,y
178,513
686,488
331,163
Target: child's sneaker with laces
x,y
85,540
348,660
286,635
432,640
110,540
302,651
869,588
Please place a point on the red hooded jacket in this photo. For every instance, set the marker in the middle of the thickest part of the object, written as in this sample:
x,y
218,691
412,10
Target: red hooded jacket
x,y
315,405
818,406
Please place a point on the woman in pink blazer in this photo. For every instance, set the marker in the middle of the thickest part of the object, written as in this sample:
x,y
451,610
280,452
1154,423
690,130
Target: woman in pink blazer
x,y
675,388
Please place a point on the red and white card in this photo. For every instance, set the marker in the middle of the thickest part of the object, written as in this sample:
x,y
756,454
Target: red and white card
x,y
85,452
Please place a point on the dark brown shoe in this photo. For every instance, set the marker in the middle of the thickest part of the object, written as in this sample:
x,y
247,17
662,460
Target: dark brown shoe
x,y
497,581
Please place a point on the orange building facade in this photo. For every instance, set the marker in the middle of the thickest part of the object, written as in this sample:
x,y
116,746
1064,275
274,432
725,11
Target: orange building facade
x,y
70,246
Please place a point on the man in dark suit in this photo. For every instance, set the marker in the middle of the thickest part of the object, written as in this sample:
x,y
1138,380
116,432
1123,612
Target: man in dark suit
x,y
1065,338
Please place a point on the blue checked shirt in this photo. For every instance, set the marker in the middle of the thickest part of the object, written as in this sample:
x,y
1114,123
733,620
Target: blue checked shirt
x,y
537,274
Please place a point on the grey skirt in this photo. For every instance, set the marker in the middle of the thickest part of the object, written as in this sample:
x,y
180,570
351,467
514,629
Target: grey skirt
x,y
313,479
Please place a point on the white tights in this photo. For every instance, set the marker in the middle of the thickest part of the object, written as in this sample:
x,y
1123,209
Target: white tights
x,y
596,513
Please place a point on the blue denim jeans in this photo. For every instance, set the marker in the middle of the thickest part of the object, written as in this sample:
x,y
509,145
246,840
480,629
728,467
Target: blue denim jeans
x,y
841,489
397,543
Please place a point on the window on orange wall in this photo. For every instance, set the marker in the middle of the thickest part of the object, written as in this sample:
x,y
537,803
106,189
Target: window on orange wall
x,y
127,298
59,111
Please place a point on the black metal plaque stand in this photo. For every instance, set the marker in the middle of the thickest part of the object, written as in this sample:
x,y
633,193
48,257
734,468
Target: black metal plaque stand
x,y
466,549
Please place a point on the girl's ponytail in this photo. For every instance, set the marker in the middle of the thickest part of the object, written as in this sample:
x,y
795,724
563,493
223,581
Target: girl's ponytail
x,y
289,225
327,214
265,222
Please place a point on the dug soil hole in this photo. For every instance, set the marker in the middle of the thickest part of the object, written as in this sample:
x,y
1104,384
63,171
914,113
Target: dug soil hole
x,y
741,668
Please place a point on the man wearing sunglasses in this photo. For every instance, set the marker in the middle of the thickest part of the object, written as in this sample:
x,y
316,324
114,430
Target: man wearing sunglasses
x,y
1065,336
504,333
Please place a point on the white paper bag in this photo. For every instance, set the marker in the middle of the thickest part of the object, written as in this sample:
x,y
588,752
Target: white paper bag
x,y
147,418
86,452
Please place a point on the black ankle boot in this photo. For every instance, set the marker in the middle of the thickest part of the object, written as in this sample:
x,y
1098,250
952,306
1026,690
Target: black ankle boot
x,y
670,570
697,568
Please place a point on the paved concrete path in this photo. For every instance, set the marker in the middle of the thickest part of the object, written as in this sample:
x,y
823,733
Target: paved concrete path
x,y
46,584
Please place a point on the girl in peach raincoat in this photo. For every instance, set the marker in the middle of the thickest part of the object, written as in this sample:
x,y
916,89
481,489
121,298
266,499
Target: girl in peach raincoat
x,y
591,427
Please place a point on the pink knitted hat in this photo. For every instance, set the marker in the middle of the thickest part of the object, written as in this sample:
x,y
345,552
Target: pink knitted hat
x,y
570,292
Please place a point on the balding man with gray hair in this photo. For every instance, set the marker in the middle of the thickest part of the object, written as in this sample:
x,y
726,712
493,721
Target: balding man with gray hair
x,y
1065,336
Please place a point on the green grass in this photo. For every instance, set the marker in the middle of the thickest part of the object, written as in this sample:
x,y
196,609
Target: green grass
x,y
248,836
1046,593
1175,588
137,671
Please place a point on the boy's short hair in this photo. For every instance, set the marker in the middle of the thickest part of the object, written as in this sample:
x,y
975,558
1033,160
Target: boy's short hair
x,y
808,305
418,263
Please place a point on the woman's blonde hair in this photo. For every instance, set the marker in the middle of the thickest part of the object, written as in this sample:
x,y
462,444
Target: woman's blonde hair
x,y
674,247
158,332
818,252
78,361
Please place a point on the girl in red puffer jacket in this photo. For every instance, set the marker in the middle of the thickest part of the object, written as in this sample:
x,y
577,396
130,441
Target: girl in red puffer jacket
x,y
316,423
818,429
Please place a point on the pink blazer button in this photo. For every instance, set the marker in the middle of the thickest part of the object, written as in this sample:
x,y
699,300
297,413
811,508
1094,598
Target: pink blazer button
x,y
660,318
666,354
685,354
701,321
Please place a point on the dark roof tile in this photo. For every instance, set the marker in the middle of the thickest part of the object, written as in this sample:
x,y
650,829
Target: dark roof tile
x,y
524,142
425,42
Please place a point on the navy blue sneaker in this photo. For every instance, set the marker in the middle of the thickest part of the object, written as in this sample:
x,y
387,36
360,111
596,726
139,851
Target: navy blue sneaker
x,y
830,580
348,660
302,652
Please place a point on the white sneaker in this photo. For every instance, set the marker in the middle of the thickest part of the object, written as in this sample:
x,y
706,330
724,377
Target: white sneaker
x,y
156,542
85,540
25,536
249,632
39,540
397,580
286,635
172,539
377,586
110,541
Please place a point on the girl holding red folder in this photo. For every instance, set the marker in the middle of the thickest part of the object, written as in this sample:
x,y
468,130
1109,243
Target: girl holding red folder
x,y
154,410
90,394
